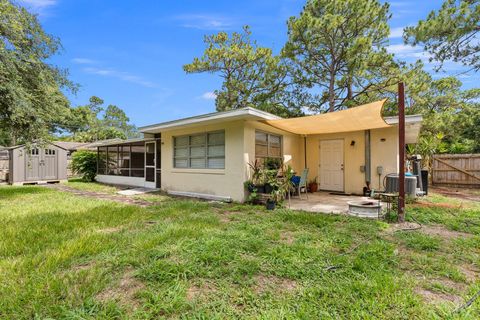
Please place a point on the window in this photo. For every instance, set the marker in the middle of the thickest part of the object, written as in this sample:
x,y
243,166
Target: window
x,y
267,145
34,152
200,151
50,152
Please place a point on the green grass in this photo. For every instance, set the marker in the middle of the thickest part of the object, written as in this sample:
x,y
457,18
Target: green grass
x,y
79,184
63,256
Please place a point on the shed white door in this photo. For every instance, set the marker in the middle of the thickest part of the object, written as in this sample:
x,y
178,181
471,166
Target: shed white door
x,y
331,165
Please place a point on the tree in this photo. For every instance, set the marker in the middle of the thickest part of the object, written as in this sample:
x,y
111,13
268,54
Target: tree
x,y
337,51
252,75
87,124
450,34
84,162
32,103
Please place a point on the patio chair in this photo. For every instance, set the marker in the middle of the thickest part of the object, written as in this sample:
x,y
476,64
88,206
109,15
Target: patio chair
x,y
303,183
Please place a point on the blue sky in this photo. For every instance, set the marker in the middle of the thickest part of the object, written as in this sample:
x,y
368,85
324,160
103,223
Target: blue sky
x,y
130,53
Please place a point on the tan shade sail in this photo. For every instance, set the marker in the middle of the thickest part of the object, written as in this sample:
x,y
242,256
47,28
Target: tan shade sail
x,y
364,117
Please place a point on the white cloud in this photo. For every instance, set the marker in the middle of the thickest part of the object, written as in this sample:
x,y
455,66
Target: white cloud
x,y
83,61
204,22
124,76
209,95
407,51
396,32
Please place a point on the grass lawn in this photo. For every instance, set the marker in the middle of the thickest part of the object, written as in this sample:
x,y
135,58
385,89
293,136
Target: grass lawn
x,y
64,256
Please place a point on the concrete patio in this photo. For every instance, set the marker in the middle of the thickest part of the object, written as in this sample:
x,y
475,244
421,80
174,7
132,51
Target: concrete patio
x,y
324,202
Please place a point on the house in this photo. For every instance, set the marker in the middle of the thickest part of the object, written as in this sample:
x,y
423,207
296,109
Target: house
x,y
208,155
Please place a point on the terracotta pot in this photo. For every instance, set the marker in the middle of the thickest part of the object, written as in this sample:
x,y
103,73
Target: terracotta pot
x,y
313,187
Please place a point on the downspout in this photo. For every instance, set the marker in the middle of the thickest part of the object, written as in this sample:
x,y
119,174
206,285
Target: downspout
x,y
368,159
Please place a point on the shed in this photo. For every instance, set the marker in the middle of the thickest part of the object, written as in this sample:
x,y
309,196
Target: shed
x,y
39,164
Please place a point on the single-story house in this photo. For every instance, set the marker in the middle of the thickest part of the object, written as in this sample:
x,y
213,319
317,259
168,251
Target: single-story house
x,y
208,155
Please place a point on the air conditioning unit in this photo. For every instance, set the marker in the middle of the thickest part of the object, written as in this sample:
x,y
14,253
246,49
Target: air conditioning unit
x,y
391,185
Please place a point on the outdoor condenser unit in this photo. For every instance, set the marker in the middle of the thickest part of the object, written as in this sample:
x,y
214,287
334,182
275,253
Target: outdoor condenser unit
x,y
391,185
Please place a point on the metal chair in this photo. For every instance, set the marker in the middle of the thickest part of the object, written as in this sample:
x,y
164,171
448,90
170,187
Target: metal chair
x,y
303,183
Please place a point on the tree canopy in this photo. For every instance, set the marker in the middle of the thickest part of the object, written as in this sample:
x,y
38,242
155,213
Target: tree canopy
x,y
450,33
337,51
93,122
32,103
251,74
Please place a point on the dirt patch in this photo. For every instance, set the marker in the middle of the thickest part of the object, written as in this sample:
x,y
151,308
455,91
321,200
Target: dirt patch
x,y
198,291
470,272
406,226
287,237
459,193
83,266
437,205
124,291
437,297
109,230
265,283
442,232
226,216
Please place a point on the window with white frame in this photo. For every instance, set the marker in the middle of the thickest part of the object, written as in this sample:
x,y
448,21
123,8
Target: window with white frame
x,y
200,151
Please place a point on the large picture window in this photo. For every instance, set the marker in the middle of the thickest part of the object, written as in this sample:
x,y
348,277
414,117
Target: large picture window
x,y
200,151
267,145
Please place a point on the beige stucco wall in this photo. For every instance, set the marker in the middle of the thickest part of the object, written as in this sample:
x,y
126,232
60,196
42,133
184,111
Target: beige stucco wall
x,y
383,153
239,151
226,182
292,146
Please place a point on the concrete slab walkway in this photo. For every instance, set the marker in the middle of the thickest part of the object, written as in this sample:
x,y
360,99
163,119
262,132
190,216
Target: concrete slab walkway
x,y
324,202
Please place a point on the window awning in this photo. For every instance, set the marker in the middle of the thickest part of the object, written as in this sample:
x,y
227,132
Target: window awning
x,y
364,117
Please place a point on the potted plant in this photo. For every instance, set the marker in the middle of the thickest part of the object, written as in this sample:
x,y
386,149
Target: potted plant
x,y
258,176
280,188
270,180
312,185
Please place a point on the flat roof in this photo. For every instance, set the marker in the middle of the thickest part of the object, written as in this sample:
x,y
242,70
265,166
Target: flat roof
x,y
237,114
120,142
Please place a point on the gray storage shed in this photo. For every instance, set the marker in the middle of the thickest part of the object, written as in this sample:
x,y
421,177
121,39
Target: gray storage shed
x,y
38,164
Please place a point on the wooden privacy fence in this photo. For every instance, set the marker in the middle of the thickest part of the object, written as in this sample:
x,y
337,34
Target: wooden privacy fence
x,y
456,170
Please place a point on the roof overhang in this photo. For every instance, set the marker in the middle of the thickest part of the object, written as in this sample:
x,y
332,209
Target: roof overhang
x,y
413,125
122,142
210,118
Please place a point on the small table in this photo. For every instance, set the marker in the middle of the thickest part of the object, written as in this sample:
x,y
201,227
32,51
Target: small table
x,y
389,199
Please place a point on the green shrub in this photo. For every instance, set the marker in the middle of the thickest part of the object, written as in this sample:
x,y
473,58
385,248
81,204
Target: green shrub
x,y
84,163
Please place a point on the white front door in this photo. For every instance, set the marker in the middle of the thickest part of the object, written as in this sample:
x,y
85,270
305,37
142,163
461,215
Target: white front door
x,y
331,165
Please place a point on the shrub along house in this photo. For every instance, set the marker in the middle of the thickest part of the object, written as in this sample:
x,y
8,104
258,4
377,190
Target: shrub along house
x,y
208,155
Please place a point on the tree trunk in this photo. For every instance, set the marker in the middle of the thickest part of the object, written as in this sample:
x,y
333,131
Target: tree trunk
x,y
331,92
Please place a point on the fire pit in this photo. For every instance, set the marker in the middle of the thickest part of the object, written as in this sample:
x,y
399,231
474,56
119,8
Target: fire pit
x,y
365,208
